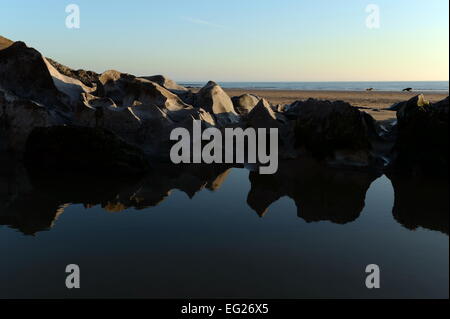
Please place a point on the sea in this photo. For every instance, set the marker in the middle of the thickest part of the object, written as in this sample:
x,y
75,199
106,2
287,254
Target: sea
x,y
422,86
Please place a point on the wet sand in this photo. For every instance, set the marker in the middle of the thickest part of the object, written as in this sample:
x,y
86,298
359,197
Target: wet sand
x,y
373,101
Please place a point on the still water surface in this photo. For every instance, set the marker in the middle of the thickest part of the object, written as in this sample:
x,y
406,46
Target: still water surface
x,y
216,232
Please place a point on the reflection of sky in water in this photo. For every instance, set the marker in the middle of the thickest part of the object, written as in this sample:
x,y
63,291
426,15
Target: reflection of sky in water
x,y
215,245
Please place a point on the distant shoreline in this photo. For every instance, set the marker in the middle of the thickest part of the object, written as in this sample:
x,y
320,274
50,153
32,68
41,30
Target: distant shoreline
x,y
439,87
375,101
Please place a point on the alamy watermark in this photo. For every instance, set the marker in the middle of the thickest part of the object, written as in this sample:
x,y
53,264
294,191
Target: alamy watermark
x,y
373,279
73,279
373,20
73,18
238,146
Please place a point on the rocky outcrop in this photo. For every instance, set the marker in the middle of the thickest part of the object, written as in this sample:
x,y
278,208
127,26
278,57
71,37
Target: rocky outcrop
x,y
245,103
422,144
333,130
39,92
82,149
24,73
214,100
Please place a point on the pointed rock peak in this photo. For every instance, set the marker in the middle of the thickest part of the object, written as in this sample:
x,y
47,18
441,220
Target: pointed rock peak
x,y
4,42
421,101
211,83
112,75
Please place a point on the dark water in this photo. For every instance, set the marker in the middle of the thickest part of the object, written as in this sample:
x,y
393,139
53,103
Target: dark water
x,y
305,232
418,86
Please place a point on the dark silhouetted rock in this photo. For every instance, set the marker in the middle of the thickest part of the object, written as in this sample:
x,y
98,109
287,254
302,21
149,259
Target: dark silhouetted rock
x,y
24,73
18,117
82,149
422,144
326,128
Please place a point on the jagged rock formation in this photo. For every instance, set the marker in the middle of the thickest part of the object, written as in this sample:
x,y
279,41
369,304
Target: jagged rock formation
x,y
39,92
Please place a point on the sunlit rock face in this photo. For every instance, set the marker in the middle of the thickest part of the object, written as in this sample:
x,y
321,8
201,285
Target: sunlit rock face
x,y
245,103
214,100
422,145
320,193
4,42
421,202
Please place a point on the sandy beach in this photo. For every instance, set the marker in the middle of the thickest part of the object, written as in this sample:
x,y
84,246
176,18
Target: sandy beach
x,y
374,101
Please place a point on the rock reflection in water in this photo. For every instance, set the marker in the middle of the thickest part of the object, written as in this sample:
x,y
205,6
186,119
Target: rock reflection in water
x,y
320,193
421,202
32,203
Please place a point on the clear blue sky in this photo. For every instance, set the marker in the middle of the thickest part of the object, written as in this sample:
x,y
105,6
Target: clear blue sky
x,y
241,40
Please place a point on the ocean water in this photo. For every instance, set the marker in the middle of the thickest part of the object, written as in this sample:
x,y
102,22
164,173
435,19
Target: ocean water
x,y
212,232
435,86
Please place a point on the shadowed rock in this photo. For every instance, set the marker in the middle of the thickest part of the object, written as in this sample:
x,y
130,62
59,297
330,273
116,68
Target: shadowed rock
x,y
262,116
334,130
82,149
24,73
422,144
